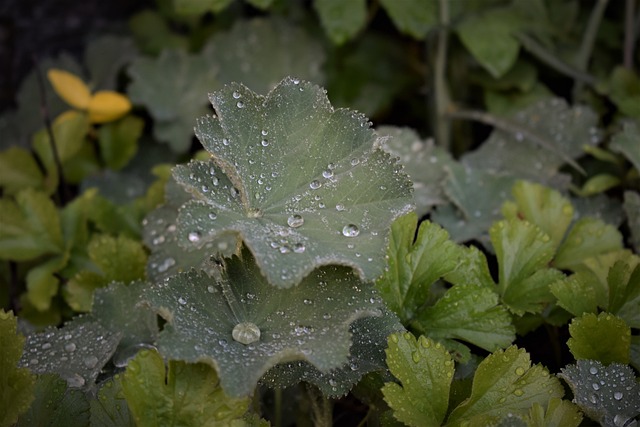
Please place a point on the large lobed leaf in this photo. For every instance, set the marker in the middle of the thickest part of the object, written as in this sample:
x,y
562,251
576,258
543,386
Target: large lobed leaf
x,y
298,181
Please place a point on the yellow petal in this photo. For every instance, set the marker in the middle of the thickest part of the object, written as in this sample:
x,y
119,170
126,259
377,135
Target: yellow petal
x,y
70,88
106,106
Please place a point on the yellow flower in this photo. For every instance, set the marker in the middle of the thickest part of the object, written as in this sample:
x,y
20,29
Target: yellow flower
x,y
102,106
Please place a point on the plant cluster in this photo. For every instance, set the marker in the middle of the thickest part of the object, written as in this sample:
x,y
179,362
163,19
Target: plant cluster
x,y
304,267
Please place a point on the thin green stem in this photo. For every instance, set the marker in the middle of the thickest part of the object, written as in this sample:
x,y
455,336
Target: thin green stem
x,y
629,34
442,100
320,406
588,40
277,394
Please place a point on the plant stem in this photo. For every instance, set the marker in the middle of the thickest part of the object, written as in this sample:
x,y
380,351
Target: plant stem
x,y
514,129
537,50
588,39
442,126
320,406
63,190
277,395
629,34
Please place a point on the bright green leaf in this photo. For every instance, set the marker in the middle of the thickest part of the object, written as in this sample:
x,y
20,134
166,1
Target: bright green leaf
x,y
577,293
243,326
627,142
69,131
523,252
598,184
469,313
604,337
632,210
559,413
414,266
16,384
342,20
425,370
19,170
30,227
607,394
110,408
118,141
56,405
180,394
505,382
298,181
415,18
472,269
587,238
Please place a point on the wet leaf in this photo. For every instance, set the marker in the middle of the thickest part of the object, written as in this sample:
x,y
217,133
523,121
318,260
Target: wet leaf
x,y
559,413
342,20
626,142
472,269
587,238
602,337
632,210
415,18
180,394
19,171
425,370
414,266
505,382
243,326
577,293
607,394
16,384
624,290
110,408
298,181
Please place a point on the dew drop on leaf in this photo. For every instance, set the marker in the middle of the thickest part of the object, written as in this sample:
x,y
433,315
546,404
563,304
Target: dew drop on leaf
x,y
240,104
295,221
315,184
213,215
350,230
299,248
327,174
182,301
519,371
236,95
70,347
246,333
194,236
264,142
90,361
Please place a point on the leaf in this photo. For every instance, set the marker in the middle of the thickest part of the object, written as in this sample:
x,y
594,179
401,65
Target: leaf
x,y
30,227
469,313
341,20
105,57
428,182
624,89
299,182
415,18
523,252
70,87
488,37
505,382
180,394
604,337
425,371
42,282
626,142
577,293
152,33
199,7
598,184
243,326
56,404
174,106
624,290
587,238
16,384
632,210
77,351
261,52
107,106
110,408
607,394
414,266
472,269
118,141
541,206
18,171
559,413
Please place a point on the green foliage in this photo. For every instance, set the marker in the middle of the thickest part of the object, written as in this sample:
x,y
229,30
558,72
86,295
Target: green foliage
x,y
341,19
604,338
110,409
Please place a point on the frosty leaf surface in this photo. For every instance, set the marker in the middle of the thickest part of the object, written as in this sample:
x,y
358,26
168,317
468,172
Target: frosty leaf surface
x,y
110,408
425,370
261,52
180,394
506,382
298,181
56,404
607,394
16,384
469,313
341,19
414,266
243,326
77,351
602,337
174,107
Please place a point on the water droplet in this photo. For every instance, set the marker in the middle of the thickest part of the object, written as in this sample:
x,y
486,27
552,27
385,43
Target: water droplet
x,y
75,381
593,370
327,174
68,337
90,362
295,221
236,95
350,230
415,356
315,184
194,236
246,333
520,371
211,289
158,240
299,248
340,207
182,301
240,104
518,392
595,386
308,302
225,141
617,395
70,347
33,362
264,132
46,346
354,162
213,215
264,142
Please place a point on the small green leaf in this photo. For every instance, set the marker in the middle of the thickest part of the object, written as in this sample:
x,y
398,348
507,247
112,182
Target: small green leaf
x,y
152,33
414,266
472,269
469,313
624,290
19,170
181,394
341,20
587,238
425,370
626,142
505,382
632,210
607,394
523,252
199,7
415,18
577,293
604,337
598,184
624,89
559,413
118,141
42,282
30,227
243,326
16,384
105,57
110,408
69,133
55,405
